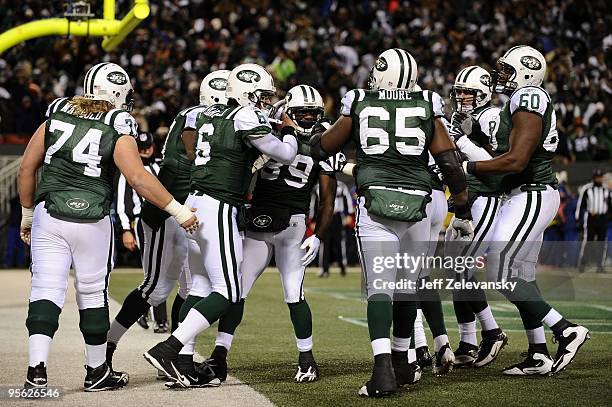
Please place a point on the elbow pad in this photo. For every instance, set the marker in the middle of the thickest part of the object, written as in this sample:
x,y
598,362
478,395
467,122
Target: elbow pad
x,y
451,169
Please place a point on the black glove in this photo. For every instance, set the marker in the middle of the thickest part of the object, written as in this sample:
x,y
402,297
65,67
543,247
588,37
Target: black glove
x,y
320,127
456,130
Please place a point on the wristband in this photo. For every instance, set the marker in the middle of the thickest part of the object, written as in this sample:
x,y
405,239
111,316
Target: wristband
x,y
288,130
179,212
348,169
27,214
470,167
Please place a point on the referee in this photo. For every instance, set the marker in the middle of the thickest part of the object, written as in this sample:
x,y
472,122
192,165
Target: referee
x,y
592,213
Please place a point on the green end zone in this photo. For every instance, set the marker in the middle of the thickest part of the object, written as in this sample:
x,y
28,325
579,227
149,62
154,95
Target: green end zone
x,y
264,355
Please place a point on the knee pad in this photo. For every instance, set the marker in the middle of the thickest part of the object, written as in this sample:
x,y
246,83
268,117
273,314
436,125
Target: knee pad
x,y
94,325
43,318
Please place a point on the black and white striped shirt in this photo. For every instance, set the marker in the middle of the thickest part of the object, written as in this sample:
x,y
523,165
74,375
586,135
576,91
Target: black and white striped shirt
x,y
593,199
129,203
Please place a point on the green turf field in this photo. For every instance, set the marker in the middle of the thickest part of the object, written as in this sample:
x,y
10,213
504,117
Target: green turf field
x,y
264,355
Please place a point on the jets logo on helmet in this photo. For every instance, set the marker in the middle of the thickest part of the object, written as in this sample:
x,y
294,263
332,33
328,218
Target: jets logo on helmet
x,y
471,89
108,81
213,87
304,105
251,85
520,66
394,69
248,76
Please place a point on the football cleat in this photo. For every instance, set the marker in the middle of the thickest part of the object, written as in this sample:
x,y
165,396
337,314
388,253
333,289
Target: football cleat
x,y
204,376
444,360
465,354
423,357
535,363
164,358
103,378
217,361
405,373
36,377
143,321
308,371
570,340
383,382
492,343
161,328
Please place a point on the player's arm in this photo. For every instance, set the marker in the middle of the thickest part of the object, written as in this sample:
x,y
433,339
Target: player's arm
x,y
189,141
524,139
325,212
147,185
26,182
281,151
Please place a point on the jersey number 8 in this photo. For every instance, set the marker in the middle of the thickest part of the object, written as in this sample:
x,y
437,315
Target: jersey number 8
x,y
376,140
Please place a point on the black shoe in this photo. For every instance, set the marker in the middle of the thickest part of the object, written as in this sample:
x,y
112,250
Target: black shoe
x,y
200,376
110,351
308,370
164,358
535,363
36,377
161,328
570,340
383,382
491,345
465,354
423,357
405,373
143,322
217,362
103,378
444,360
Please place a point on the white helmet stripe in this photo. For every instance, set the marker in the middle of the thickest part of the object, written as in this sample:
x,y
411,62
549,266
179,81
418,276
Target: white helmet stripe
x,y
467,74
304,94
400,83
512,49
311,89
93,76
411,61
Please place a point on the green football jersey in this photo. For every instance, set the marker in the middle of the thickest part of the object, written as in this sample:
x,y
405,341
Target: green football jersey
x,y
289,186
224,157
78,169
487,122
393,131
175,169
539,169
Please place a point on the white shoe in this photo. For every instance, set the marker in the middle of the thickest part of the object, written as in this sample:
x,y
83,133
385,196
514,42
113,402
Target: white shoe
x,y
534,364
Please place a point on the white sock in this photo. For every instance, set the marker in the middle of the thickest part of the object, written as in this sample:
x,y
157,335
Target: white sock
x,y
115,332
39,346
487,320
552,317
193,324
411,355
95,355
535,336
419,333
440,341
304,345
189,347
381,345
224,339
400,344
467,333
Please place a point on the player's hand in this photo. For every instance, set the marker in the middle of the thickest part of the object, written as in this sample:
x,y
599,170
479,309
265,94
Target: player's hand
x,y
129,242
286,121
460,230
337,162
311,245
456,129
464,121
192,224
27,216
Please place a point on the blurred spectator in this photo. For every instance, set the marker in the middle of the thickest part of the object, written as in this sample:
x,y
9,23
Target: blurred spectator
x,y
15,255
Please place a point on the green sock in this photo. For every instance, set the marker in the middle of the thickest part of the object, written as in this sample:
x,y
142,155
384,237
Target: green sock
x,y
527,298
43,318
431,305
404,314
301,318
94,325
190,301
212,307
463,311
232,318
380,316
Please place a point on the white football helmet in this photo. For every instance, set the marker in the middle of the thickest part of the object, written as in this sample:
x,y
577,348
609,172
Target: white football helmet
x,y
250,84
473,83
417,88
520,66
108,81
394,69
212,88
304,105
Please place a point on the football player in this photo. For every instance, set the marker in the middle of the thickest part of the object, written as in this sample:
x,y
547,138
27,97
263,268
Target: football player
x,y
526,142
66,217
394,129
229,139
164,246
276,226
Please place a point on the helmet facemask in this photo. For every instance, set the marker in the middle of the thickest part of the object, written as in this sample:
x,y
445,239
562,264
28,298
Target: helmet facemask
x,y
128,105
372,81
466,100
262,99
305,118
502,78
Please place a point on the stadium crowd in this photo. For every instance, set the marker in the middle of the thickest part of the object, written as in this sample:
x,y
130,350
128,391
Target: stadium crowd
x,y
328,44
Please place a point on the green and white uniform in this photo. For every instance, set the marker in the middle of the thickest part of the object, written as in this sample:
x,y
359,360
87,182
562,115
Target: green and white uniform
x,y
393,130
71,225
533,200
164,253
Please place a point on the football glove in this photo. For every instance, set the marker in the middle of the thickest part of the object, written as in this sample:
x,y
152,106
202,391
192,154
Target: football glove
x,y
311,245
464,121
27,215
460,230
